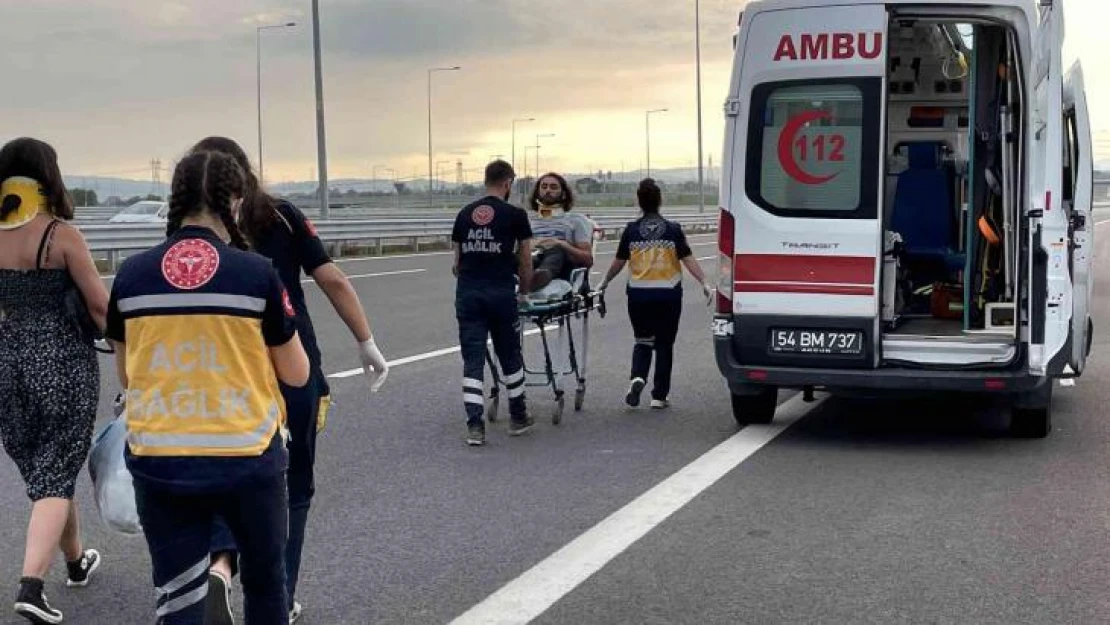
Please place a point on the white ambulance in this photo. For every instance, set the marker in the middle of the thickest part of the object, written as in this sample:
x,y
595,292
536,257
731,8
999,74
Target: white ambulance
x,y
906,204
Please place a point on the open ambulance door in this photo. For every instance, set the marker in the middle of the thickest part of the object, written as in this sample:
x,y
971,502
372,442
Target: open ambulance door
x,y
1079,175
1049,282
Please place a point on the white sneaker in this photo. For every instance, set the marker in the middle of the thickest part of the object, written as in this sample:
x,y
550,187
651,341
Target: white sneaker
x,y
295,613
660,404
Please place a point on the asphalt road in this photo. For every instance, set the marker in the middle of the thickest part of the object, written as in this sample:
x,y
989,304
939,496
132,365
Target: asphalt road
x,y
857,512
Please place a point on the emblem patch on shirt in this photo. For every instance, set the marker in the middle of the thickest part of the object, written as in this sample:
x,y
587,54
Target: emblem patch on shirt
x,y
287,304
483,215
311,227
651,229
190,264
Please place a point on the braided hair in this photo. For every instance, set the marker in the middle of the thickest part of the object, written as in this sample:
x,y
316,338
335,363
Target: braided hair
x,y
207,181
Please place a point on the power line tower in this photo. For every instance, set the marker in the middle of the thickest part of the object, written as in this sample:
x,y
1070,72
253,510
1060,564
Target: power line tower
x,y
155,175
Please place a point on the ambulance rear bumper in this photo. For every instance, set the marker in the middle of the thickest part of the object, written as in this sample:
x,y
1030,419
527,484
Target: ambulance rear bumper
x,y
744,379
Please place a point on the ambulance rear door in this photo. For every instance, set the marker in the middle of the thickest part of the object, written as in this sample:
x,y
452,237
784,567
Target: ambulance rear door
x,y
807,143
1050,282
1079,177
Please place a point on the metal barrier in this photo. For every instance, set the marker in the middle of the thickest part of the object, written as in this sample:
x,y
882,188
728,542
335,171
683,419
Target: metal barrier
x,y
114,241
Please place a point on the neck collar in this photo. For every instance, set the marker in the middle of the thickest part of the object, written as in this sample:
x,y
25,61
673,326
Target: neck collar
x,y
21,200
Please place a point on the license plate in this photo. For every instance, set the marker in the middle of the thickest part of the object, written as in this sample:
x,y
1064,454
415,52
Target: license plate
x,y
831,342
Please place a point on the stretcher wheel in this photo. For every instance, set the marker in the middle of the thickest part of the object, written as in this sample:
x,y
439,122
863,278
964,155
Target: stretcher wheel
x,y
560,405
492,406
579,399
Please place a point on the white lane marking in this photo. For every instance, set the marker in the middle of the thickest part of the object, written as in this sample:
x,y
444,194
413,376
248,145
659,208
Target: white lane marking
x,y
408,360
531,594
706,258
376,275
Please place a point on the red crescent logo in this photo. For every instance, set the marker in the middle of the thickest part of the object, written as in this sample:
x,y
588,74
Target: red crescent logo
x,y
287,304
311,227
190,264
483,215
790,131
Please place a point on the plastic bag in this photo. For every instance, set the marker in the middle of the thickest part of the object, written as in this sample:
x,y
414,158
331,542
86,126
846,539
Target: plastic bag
x,y
113,490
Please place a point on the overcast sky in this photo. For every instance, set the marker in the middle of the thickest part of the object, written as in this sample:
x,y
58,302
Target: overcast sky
x,y
115,83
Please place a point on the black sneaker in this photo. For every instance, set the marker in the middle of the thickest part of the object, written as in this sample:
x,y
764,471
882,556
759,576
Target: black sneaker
x,y
32,604
217,607
634,390
520,427
81,570
476,435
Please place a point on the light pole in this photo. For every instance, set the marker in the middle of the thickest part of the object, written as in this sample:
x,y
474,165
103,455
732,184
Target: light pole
x,y
321,130
515,122
439,176
526,148
697,62
431,71
647,119
258,60
538,137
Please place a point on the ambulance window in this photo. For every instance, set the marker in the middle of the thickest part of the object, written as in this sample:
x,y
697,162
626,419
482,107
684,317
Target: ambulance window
x,y
1071,156
813,148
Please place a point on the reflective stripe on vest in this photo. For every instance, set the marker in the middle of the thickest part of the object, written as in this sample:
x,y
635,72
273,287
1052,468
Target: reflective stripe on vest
x,y
192,300
151,444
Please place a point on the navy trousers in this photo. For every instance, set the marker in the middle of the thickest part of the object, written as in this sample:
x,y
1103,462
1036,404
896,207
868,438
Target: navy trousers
x,y
489,311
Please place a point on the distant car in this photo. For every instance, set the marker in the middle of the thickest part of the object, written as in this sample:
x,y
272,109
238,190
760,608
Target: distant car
x,y
146,212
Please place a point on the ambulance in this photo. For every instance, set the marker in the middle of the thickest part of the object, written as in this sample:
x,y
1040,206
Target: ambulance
x,y
906,204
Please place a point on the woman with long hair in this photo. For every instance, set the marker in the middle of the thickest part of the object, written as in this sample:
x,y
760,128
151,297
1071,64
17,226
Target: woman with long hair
x,y
204,332
279,231
657,251
50,384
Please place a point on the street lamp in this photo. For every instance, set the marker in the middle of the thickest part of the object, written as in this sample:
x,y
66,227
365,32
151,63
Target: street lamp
x,y
431,71
321,128
697,48
258,61
515,122
647,118
538,137
439,176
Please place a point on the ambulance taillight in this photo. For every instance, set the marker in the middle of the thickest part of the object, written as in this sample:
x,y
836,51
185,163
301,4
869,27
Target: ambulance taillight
x,y
726,243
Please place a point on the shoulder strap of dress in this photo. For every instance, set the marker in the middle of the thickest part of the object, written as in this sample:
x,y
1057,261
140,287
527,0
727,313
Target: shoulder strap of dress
x,y
44,245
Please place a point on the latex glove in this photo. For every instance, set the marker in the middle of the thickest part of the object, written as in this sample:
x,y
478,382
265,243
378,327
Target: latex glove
x,y
373,364
709,291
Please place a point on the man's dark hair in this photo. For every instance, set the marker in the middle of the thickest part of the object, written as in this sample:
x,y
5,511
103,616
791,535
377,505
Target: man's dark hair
x,y
499,172
649,196
568,193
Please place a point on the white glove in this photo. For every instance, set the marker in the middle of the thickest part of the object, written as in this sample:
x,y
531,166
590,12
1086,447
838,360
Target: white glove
x,y
604,285
373,364
709,291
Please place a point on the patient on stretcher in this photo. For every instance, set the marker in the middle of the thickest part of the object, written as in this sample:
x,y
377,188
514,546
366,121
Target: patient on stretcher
x,y
563,240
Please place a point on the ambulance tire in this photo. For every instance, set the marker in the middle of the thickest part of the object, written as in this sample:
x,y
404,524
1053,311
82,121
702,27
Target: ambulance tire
x,y
1031,417
755,409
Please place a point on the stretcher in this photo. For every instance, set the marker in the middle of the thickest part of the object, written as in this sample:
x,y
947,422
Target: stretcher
x,y
575,304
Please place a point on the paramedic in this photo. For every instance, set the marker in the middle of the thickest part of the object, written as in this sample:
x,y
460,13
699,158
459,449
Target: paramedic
x,y
203,332
492,241
280,232
656,249
562,238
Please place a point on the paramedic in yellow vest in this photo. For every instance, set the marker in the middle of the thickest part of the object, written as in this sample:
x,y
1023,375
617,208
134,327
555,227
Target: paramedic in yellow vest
x,y
657,250
203,332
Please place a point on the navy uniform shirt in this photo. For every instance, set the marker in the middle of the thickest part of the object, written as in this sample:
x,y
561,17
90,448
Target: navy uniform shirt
x,y
654,249
196,317
293,246
488,232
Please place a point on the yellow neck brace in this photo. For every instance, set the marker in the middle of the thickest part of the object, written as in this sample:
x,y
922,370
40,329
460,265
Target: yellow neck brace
x,y
21,200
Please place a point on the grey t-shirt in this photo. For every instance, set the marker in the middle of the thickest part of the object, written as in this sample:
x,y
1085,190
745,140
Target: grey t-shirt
x,y
570,227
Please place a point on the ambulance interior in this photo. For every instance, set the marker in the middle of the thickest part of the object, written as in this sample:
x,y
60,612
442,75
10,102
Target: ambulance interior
x,y
950,269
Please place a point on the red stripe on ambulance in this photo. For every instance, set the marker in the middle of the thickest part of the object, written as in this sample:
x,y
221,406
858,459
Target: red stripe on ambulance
x,y
791,273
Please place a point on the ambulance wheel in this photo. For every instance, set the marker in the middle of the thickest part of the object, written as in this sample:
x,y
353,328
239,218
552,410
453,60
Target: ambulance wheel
x,y
491,408
560,405
579,399
755,409
1031,415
